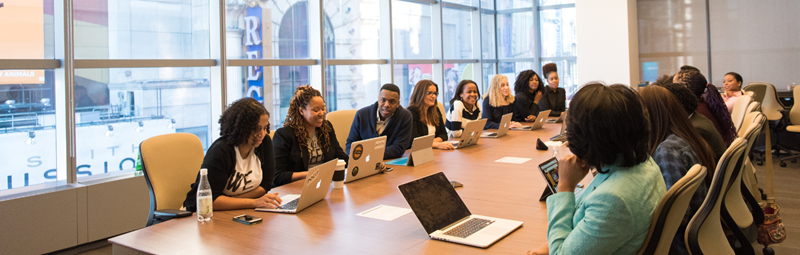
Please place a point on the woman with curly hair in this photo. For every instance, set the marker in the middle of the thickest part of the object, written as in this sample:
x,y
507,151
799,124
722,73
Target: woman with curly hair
x,y
425,116
240,163
709,102
528,91
306,139
554,98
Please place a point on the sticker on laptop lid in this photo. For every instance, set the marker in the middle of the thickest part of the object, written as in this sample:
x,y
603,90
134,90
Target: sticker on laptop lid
x,y
380,144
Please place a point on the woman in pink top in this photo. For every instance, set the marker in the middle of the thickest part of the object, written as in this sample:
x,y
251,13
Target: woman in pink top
x,y
732,83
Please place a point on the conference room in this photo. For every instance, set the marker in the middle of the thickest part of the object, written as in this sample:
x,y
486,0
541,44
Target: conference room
x,y
84,83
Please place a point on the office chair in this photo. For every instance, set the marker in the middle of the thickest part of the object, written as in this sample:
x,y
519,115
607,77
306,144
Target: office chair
x,y
740,110
771,108
749,177
442,111
670,211
754,106
794,118
342,120
704,234
170,164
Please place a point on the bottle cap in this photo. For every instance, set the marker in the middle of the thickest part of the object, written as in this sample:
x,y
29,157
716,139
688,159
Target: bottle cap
x,y
203,171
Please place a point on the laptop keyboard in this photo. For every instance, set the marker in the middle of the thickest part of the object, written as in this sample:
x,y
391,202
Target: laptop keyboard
x,y
291,205
469,227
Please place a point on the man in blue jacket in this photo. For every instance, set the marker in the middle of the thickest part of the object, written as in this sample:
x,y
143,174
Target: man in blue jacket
x,y
385,117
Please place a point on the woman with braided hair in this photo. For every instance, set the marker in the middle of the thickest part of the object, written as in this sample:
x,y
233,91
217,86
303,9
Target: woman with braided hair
x,y
306,139
709,102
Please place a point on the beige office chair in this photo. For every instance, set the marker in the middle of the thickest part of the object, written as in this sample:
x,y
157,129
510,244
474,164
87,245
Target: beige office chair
x,y
794,117
670,211
738,200
770,105
748,176
740,110
758,90
170,164
442,111
704,234
754,106
749,93
342,120
271,134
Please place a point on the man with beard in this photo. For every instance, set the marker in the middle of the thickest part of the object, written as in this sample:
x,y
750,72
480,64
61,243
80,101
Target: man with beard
x,y
385,117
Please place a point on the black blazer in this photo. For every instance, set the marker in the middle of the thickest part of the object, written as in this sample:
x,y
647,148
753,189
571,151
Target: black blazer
x,y
290,158
556,102
421,129
525,106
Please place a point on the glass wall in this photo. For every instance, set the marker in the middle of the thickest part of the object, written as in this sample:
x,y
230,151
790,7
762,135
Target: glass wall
x,y
139,68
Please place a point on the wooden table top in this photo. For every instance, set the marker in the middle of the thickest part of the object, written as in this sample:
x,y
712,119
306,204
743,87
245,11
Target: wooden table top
x,y
502,190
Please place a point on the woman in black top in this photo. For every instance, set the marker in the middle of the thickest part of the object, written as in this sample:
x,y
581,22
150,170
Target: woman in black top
x,y
498,102
306,139
240,163
554,98
528,92
425,115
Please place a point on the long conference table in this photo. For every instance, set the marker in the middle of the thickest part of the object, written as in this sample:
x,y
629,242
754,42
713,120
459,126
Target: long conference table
x,y
331,226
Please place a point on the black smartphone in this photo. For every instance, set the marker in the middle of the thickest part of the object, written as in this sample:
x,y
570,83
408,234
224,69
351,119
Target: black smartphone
x,y
247,219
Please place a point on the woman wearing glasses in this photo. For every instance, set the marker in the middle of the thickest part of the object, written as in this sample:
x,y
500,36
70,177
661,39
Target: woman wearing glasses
x,y
426,116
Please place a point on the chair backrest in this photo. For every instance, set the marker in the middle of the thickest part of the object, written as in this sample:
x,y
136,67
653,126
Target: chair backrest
x,y
750,93
740,110
794,114
735,202
170,163
758,90
670,211
753,107
342,120
441,110
704,234
770,105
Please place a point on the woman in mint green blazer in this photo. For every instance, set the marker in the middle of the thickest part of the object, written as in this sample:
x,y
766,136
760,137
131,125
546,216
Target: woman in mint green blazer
x,y
608,130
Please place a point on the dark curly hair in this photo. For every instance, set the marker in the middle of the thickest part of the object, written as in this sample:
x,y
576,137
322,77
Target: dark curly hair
x,y
684,95
240,120
698,84
549,68
521,84
595,133
302,96
460,89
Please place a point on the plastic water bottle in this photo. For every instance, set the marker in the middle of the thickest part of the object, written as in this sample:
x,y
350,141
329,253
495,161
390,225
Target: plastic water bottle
x,y
204,200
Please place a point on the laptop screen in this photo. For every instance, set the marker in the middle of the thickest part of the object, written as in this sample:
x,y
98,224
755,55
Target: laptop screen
x,y
434,201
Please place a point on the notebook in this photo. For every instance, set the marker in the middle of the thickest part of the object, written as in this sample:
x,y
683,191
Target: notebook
x,y
444,216
365,158
472,132
504,123
315,188
549,170
537,123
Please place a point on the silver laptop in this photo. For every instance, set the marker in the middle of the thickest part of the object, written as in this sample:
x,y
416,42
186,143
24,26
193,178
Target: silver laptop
x,y
537,123
472,132
504,124
563,135
559,120
365,158
315,188
444,216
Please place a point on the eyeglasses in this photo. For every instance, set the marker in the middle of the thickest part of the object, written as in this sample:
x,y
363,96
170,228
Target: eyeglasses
x,y
428,93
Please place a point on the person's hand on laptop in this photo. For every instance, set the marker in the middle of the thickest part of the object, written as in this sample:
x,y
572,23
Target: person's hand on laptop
x,y
515,124
571,171
381,167
269,200
530,118
443,145
544,249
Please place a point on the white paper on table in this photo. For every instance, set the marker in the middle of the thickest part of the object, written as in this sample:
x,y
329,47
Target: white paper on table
x,y
385,212
552,143
513,160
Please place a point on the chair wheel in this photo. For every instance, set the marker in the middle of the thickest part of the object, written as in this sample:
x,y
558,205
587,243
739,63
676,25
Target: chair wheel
x,y
783,164
767,251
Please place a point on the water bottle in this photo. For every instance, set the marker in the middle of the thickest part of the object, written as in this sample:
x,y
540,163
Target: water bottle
x,y
204,200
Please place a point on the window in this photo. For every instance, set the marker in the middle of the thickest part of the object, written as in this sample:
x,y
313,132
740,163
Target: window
x,y
457,34
411,23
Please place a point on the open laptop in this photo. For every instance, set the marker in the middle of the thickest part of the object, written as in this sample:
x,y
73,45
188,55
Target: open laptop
x,y
504,123
561,137
472,132
444,216
537,123
560,118
315,188
421,152
365,158
549,170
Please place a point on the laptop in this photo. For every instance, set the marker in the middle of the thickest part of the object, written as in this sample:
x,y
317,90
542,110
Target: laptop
x,y
559,120
561,137
444,216
549,170
365,158
315,188
421,152
504,123
537,123
472,132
